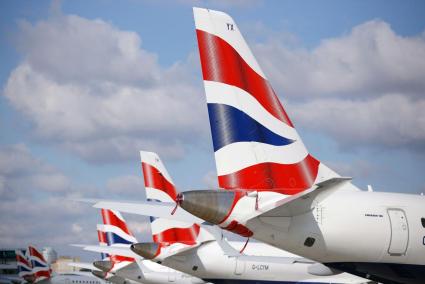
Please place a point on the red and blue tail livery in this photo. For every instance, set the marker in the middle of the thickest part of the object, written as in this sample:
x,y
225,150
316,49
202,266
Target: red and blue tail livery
x,y
40,267
115,228
255,143
115,232
24,266
101,235
160,187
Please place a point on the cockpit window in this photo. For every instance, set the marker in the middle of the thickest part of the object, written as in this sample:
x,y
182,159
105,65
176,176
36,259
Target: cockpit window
x,y
423,222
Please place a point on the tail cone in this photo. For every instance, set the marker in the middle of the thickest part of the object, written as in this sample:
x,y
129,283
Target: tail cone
x,y
104,265
100,274
210,205
146,250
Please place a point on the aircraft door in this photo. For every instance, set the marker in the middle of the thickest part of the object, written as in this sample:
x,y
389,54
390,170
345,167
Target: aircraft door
x,y
239,266
399,232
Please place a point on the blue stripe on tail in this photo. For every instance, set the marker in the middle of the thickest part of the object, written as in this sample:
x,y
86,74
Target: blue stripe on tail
x,y
230,125
115,239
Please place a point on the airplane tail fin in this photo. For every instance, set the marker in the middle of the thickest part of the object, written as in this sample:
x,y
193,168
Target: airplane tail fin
x,y
40,267
101,235
256,145
160,187
24,266
116,233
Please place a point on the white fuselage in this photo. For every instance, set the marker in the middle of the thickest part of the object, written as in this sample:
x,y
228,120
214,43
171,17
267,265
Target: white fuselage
x,y
353,226
210,263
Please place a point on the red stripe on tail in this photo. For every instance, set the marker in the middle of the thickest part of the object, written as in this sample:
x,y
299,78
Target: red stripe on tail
x,y
119,258
42,273
109,218
286,179
155,179
178,235
102,237
36,253
222,63
23,260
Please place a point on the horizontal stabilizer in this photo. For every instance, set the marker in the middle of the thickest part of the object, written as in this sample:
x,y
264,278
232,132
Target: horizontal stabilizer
x,y
150,208
112,250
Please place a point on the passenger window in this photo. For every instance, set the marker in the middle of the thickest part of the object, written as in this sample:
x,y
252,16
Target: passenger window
x,y
194,268
309,242
423,222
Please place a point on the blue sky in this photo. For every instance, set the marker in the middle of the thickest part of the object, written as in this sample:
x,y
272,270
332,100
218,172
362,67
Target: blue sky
x,y
85,84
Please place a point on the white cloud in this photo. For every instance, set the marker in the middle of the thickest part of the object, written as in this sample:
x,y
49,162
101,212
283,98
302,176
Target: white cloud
x,y
74,49
33,207
36,205
90,88
21,174
389,120
127,185
371,60
364,88
358,168
76,228
49,221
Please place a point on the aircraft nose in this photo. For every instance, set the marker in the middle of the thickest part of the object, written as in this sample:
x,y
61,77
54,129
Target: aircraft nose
x,y
146,250
104,265
100,274
210,205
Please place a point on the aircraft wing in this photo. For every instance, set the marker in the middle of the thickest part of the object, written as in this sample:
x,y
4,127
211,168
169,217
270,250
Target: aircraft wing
x,y
149,208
